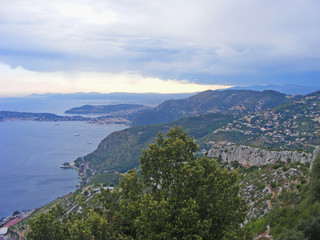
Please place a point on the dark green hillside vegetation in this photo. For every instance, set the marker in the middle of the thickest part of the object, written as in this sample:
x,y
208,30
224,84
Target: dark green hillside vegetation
x,y
292,126
177,196
233,101
120,151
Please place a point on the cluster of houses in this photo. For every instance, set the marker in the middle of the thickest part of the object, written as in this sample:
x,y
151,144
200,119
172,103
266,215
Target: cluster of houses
x,y
293,126
10,221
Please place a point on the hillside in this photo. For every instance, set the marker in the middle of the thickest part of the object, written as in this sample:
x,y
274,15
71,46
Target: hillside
x,y
120,151
116,109
280,198
275,183
228,101
295,125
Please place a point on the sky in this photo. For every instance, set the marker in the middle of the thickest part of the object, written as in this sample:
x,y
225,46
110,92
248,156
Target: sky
x,y
165,46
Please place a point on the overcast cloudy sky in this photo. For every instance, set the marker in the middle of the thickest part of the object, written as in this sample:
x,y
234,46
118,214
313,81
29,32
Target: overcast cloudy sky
x,y
156,46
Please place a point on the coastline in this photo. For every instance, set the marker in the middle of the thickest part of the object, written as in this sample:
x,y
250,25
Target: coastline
x,y
47,141
9,116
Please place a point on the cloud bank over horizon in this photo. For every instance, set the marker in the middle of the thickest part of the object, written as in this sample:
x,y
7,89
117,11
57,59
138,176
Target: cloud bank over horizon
x,y
201,42
68,82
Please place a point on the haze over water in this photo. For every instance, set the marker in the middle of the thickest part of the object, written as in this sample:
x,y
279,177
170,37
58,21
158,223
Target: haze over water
x,y
30,155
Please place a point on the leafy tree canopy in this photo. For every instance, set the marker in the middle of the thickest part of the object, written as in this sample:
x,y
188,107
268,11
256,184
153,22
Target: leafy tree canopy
x,y
177,196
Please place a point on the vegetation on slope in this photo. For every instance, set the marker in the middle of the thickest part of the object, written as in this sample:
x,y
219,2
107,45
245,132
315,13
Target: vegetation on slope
x,y
233,101
120,151
278,195
292,126
299,219
177,196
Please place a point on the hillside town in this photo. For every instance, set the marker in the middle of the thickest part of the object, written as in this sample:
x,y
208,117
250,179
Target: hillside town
x,y
279,127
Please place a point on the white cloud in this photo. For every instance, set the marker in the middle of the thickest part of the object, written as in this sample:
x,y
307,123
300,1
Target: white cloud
x,y
153,37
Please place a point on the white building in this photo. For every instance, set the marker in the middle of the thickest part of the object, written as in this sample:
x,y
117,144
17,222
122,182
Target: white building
x,y
3,231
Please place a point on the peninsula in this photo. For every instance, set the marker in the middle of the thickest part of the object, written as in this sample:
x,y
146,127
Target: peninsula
x,y
6,116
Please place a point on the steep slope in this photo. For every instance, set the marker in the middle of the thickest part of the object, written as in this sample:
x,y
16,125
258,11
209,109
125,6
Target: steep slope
x,y
295,125
233,101
120,151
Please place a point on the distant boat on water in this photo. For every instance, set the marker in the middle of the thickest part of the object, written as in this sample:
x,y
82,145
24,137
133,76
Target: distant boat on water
x,y
65,165
76,134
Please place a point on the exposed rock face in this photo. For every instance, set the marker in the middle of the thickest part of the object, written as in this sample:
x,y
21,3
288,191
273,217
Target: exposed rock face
x,y
249,156
316,152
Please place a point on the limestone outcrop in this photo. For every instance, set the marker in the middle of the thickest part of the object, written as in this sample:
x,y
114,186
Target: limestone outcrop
x,y
250,156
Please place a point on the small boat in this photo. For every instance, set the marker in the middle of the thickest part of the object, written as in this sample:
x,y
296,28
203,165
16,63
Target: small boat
x,y
65,165
90,142
76,134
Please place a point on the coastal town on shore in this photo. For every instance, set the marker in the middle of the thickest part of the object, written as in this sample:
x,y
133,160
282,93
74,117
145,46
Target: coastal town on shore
x,y
11,221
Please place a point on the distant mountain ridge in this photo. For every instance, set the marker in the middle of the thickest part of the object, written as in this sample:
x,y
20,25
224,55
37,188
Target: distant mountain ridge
x,y
209,101
138,98
290,89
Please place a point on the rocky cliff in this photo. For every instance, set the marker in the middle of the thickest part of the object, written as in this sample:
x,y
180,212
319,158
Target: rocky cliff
x,y
250,156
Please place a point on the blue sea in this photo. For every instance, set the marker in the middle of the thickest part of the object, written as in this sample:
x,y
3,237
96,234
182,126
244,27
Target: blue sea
x,y
30,155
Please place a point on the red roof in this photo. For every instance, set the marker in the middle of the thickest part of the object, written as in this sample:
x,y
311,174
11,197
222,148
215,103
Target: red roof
x,y
12,222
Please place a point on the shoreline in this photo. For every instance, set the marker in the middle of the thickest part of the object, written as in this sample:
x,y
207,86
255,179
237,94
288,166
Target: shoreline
x,y
10,116
45,142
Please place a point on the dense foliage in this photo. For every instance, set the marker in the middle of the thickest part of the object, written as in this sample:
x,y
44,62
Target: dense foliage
x,y
176,196
120,151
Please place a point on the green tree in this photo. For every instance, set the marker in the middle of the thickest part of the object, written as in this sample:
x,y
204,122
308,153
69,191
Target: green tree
x,y
315,179
188,197
177,196
48,225
310,227
291,235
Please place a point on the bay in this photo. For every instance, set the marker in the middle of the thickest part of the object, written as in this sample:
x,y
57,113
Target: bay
x,y
56,106
30,156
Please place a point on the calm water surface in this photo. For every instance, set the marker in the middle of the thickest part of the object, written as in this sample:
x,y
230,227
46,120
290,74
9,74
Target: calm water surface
x,y
30,155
